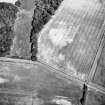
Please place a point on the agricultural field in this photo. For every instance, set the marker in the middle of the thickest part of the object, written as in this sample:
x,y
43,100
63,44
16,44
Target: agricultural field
x,y
37,82
94,97
52,52
70,41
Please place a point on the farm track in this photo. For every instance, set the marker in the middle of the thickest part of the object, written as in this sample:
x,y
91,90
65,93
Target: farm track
x,y
69,77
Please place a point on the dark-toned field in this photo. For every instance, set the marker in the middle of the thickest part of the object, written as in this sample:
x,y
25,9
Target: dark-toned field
x,y
7,20
39,82
95,98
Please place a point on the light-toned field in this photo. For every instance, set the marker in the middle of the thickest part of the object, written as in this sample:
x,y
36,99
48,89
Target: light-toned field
x,y
70,41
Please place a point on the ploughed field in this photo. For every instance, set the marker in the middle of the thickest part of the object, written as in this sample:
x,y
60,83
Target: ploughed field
x,y
70,41
52,52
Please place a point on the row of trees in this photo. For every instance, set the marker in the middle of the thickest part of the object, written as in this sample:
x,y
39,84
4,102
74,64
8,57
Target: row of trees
x,y
44,9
